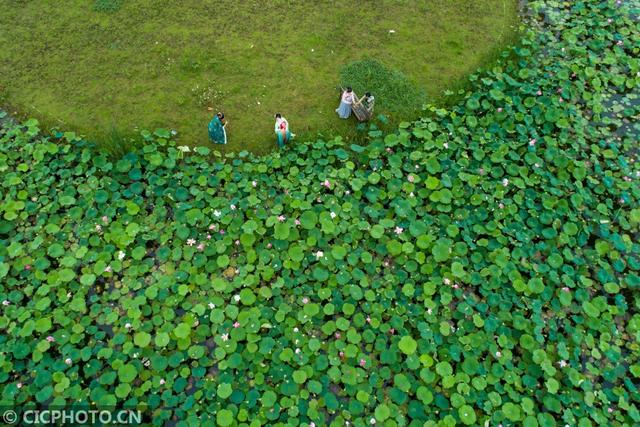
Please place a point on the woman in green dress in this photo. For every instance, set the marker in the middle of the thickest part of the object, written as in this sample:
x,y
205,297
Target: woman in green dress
x,y
282,130
217,132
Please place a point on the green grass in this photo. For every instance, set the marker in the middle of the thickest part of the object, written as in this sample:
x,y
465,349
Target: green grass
x,y
109,67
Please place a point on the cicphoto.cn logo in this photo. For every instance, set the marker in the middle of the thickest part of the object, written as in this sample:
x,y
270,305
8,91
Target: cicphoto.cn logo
x,y
71,417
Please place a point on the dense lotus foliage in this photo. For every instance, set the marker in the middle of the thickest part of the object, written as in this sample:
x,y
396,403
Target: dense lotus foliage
x,y
479,266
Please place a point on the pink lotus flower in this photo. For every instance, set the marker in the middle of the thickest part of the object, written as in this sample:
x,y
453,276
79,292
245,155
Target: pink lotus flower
x,y
236,325
559,90
455,286
392,331
51,339
560,100
501,205
222,231
191,242
532,142
368,319
208,236
105,219
539,93
326,183
212,227
410,178
281,218
5,302
108,269
237,242
362,362
233,207
200,247
27,267
337,335
481,171
341,354
305,300
269,245
399,230
297,221
19,385
610,410
566,289
162,381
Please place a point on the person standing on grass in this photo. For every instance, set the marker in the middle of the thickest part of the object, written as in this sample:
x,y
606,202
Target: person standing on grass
x,y
369,102
282,131
347,98
217,131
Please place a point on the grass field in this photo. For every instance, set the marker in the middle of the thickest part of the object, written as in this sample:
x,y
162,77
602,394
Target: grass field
x,y
107,68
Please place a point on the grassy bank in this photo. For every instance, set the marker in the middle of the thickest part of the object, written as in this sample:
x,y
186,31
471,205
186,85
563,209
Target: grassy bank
x,y
108,68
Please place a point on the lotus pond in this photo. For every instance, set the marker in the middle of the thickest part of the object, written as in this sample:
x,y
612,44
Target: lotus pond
x,y
478,266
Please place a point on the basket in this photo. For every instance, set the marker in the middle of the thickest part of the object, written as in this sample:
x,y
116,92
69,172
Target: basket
x,y
360,111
